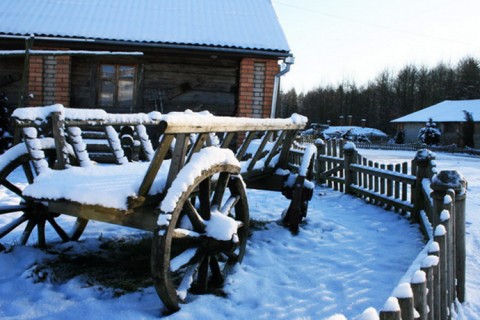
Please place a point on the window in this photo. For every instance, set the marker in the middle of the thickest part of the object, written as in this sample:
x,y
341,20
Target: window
x,y
117,84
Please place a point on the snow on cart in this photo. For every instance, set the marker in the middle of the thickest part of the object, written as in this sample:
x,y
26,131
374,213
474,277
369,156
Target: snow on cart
x,y
174,175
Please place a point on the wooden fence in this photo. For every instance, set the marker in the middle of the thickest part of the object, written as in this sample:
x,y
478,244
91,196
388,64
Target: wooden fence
x,y
436,201
401,147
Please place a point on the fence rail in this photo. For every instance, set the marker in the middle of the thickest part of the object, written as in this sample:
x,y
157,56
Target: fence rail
x,y
436,201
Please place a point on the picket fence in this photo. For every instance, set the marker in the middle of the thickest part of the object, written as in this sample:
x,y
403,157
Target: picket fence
x,y
435,200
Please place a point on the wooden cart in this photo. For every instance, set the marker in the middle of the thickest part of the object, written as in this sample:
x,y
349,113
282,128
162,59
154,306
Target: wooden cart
x,y
190,191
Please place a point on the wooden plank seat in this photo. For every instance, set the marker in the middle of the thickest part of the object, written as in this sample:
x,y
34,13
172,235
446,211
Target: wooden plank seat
x,y
109,186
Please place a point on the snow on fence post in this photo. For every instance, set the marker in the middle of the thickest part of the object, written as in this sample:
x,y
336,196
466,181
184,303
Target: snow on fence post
x,y
391,310
443,182
420,163
419,288
404,294
349,157
320,167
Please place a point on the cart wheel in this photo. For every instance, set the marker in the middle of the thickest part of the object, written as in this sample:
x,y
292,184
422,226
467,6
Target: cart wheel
x,y
189,256
18,213
300,196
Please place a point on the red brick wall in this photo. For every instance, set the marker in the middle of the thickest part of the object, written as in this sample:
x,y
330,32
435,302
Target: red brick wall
x,y
49,80
35,82
257,77
62,80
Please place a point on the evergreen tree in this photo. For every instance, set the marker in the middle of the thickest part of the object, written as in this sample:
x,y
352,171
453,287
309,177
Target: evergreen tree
x,y
288,103
400,136
468,84
430,134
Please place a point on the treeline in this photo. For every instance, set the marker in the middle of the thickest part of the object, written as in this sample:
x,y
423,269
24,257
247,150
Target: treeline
x,y
389,96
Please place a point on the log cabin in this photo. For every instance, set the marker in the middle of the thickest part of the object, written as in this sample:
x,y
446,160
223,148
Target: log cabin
x,y
124,56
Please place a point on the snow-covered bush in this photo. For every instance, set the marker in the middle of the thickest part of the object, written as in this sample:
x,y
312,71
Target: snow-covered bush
x,y
430,134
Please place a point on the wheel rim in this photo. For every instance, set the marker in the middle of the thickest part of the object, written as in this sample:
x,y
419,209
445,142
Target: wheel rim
x,y
23,221
186,258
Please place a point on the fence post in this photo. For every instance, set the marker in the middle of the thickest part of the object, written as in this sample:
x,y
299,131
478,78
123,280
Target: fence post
x,y
451,179
421,161
320,167
419,288
349,156
391,310
429,264
440,235
403,293
434,250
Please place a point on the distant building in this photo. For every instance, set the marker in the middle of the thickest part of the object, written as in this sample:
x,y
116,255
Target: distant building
x,y
143,55
449,117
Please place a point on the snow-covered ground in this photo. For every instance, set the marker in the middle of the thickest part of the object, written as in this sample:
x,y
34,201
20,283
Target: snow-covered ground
x,y
347,257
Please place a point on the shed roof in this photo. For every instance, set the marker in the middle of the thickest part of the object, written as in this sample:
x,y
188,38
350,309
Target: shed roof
x,y
445,111
241,24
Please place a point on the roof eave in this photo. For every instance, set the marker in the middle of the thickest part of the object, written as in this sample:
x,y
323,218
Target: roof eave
x,y
161,45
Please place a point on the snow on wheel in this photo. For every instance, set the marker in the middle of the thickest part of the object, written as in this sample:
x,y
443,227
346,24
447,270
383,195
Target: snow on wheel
x,y
204,238
20,216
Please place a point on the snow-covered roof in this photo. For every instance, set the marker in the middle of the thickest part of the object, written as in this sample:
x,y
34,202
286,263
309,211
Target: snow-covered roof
x,y
354,130
446,111
242,24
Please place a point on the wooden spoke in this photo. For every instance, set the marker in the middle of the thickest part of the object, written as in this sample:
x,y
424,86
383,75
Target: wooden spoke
x,y
27,170
58,229
233,258
27,232
220,190
12,208
10,186
185,280
12,225
217,276
202,279
188,257
197,221
183,239
204,197
229,205
183,287
77,230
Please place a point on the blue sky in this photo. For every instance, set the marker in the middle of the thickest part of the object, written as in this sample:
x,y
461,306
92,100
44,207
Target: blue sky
x,y
344,40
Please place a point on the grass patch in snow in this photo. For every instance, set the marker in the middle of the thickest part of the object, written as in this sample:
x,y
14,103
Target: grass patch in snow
x,y
120,264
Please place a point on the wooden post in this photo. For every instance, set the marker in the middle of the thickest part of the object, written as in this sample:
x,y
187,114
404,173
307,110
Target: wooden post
x,y
440,237
320,167
419,288
391,310
26,75
434,250
403,293
428,266
421,162
396,185
349,158
58,128
451,179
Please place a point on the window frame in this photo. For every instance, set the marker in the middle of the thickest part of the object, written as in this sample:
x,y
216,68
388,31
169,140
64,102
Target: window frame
x,y
116,79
